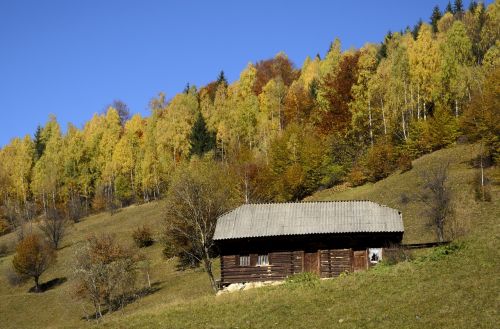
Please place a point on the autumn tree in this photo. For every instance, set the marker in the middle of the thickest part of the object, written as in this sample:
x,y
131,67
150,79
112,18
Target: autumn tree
x,y
48,171
33,257
299,163
174,126
271,118
155,162
362,105
243,110
77,182
424,64
298,104
279,67
456,60
336,91
17,158
481,120
123,110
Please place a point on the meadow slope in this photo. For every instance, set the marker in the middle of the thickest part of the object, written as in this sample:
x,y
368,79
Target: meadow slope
x,y
457,288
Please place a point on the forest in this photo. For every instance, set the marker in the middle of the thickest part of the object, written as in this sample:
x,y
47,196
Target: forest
x,y
280,132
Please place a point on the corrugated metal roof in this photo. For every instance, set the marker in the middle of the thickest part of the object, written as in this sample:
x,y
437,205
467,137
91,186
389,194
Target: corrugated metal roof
x,y
271,219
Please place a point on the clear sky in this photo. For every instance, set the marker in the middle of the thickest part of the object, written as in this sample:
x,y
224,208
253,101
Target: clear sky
x,y
71,58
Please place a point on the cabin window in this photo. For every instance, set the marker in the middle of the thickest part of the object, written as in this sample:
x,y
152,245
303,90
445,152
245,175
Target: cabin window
x,y
262,260
245,260
375,255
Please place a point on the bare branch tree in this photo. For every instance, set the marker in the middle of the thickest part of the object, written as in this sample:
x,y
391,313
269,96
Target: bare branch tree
x,y
54,227
436,195
197,197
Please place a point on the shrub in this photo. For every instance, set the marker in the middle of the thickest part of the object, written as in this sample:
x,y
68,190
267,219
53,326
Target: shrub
x,y
15,279
5,249
404,162
305,279
482,188
380,161
106,273
396,255
143,237
4,227
357,176
441,252
404,198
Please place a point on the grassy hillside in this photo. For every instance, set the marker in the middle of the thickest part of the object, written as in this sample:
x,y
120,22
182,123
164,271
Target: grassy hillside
x,y
58,307
439,290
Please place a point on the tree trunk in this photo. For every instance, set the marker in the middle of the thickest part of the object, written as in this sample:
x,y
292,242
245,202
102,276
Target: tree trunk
x,y
440,232
207,264
456,108
37,285
418,102
383,117
404,124
482,172
370,121
412,102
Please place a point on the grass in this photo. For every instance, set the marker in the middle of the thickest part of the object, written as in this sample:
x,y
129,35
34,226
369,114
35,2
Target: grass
x,y
59,308
456,287
400,191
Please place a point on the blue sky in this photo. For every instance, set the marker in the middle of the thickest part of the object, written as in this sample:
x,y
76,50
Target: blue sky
x,y
71,58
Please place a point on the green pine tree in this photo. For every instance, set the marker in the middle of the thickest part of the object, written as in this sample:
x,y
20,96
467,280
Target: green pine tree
x,y
221,79
458,8
472,6
39,143
416,28
449,8
201,139
435,17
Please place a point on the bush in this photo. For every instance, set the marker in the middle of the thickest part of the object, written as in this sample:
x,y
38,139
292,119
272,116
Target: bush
x,y
5,249
305,279
15,279
4,227
396,255
404,162
357,176
404,198
380,161
441,252
143,237
106,273
482,188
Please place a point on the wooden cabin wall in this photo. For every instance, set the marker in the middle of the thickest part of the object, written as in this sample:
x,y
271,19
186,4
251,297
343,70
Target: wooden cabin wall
x,y
334,262
336,254
281,265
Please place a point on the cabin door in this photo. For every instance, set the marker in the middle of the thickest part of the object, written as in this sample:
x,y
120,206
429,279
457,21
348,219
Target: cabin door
x,y
311,262
360,260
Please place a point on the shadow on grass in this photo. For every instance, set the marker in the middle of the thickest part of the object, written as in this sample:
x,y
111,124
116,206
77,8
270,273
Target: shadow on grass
x,y
120,303
49,285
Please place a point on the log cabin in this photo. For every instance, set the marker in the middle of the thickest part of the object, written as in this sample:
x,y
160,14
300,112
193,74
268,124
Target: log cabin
x,y
266,242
